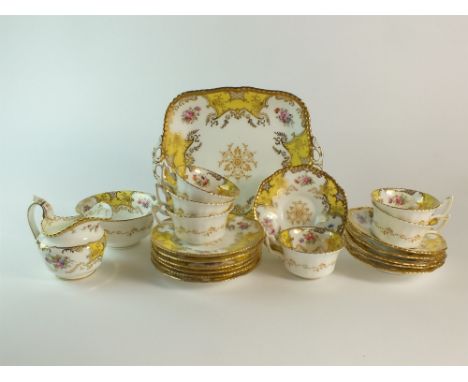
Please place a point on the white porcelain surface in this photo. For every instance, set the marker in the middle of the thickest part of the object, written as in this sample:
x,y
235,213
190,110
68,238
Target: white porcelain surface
x,y
132,216
199,230
411,205
399,232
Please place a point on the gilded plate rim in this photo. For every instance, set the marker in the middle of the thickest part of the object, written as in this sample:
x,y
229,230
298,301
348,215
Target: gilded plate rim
x,y
409,256
190,278
381,259
177,260
390,268
209,270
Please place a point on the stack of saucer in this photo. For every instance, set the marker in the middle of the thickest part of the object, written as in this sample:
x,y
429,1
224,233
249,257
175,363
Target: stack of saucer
x,y
399,233
235,254
201,240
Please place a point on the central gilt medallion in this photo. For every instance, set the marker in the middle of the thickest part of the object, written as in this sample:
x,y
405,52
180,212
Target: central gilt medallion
x,y
298,213
237,161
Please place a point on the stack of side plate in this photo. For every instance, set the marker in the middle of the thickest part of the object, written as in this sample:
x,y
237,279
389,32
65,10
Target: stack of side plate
x,y
364,246
237,253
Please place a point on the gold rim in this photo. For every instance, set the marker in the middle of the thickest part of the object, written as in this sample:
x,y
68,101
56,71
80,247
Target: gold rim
x,y
110,220
186,277
409,250
228,212
403,254
404,190
315,229
391,269
305,116
180,197
301,167
103,239
352,246
407,222
226,180
74,225
219,270
391,262
203,260
359,256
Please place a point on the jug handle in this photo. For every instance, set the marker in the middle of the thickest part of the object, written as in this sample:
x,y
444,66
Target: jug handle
x,y
445,206
37,201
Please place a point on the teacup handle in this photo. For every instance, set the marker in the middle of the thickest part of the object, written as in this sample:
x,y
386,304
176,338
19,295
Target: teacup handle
x,y
272,251
163,205
445,206
438,222
159,171
37,202
159,208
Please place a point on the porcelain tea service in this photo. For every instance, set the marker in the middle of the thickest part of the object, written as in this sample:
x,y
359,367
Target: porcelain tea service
x,y
216,147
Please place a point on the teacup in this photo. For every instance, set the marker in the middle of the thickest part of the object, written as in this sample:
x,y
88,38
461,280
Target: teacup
x,y
199,184
401,233
410,205
310,252
132,216
199,230
187,207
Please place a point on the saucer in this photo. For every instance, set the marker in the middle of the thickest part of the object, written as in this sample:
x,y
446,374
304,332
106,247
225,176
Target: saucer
x,y
242,234
299,196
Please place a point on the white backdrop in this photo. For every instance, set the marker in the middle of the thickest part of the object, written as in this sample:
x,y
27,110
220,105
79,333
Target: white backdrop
x,y
82,101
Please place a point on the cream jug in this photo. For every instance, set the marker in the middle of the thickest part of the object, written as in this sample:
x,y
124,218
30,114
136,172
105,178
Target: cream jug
x,y
71,246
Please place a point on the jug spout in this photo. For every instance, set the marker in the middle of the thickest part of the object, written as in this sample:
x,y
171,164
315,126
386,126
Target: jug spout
x,y
63,230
